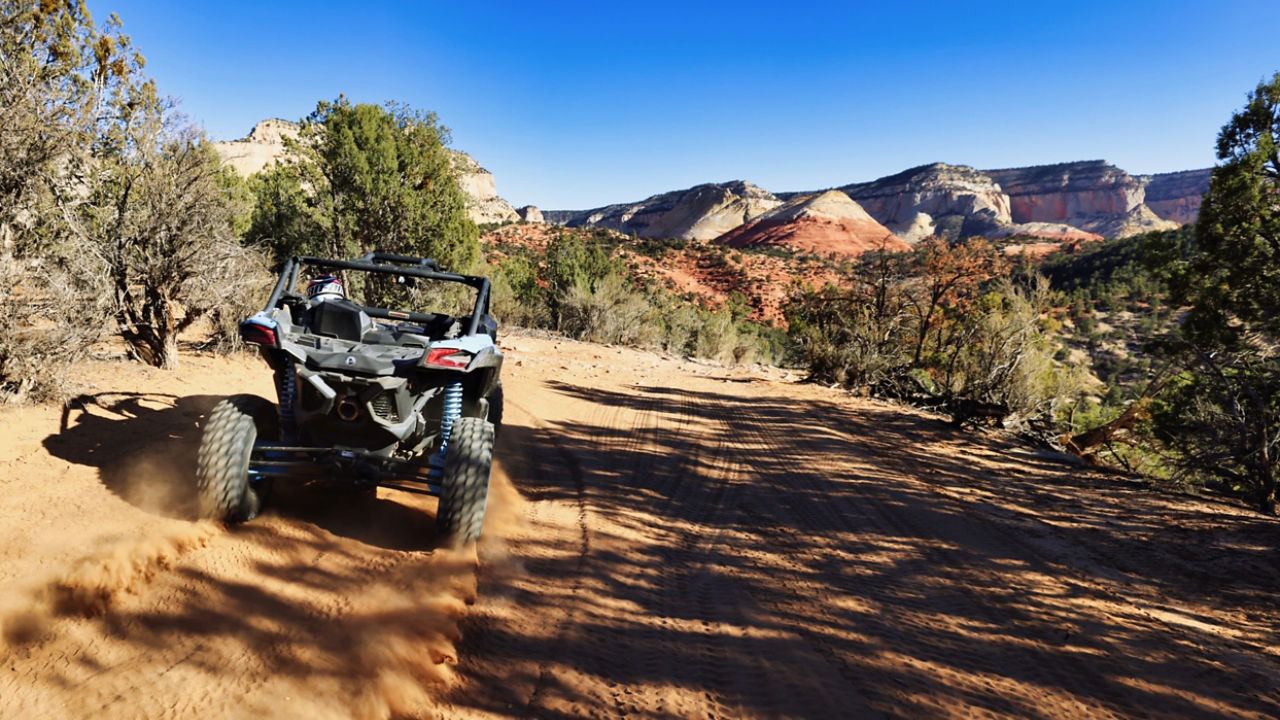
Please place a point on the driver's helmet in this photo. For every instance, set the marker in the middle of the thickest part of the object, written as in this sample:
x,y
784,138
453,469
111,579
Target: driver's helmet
x,y
324,288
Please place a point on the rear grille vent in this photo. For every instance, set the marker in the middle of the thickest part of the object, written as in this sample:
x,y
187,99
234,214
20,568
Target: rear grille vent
x,y
384,406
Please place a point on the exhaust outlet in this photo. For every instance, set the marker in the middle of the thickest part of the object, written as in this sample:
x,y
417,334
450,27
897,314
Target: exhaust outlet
x,y
348,410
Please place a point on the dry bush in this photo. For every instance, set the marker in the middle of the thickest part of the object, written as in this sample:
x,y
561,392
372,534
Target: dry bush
x,y
234,284
515,297
506,308
53,313
1003,356
680,323
718,339
859,338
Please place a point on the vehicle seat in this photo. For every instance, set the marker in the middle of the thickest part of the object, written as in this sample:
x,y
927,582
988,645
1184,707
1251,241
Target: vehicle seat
x,y
341,319
378,336
445,327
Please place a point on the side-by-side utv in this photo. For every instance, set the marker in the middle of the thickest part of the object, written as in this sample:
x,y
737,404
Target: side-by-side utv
x,y
367,396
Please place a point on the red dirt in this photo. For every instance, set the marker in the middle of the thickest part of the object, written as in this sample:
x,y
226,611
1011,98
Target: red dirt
x,y
666,539
844,237
764,279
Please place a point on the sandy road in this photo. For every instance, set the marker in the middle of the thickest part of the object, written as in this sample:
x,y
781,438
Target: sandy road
x,y
666,539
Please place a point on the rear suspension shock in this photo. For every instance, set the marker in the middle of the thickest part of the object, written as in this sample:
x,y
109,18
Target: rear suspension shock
x,y
288,389
451,412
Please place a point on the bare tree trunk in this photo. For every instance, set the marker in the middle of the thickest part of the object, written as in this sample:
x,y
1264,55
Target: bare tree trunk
x,y
1082,445
1266,470
6,245
163,336
168,335
1267,493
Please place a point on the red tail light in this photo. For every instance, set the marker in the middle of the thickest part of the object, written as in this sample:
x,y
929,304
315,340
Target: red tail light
x,y
254,333
447,358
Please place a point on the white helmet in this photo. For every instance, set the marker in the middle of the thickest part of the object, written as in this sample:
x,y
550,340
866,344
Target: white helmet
x,y
325,287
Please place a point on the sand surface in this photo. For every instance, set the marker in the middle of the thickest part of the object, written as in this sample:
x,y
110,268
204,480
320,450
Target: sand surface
x,y
665,539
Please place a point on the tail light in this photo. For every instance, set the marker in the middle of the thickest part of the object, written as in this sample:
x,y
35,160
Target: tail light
x,y
447,357
258,332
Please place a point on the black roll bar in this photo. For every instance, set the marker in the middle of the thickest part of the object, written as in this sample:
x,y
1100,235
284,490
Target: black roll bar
x,y
381,257
425,268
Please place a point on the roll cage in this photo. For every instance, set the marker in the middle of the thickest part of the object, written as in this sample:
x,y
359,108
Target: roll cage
x,y
394,265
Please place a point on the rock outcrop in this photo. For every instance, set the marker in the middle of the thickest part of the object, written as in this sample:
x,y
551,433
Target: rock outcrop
x,y
265,146
920,227
1077,201
829,223
568,218
1048,231
483,203
949,200
1093,196
1068,192
1176,196
703,212
529,213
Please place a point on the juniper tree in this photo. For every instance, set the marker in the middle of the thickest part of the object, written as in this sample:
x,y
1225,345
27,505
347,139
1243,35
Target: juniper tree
x,y
1222,416
367,177
58,73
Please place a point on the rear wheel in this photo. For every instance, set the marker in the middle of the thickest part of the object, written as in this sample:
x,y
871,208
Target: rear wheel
x,y
464,490
222,467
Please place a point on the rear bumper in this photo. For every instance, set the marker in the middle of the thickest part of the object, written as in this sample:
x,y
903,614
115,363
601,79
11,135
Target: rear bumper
x,y
345,466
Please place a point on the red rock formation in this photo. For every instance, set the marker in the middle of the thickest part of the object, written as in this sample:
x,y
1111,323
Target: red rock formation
x,y
1177,196
1068,193
829,223
1093,198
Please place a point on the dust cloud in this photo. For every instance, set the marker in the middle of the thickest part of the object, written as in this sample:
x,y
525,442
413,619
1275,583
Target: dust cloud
x,y
340,610
410,642
95,581
406,632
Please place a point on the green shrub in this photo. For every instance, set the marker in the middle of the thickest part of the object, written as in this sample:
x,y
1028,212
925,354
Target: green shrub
x,y
607,311
516,297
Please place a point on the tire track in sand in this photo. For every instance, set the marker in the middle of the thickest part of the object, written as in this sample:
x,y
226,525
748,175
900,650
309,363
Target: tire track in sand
x,y
928,597
911,595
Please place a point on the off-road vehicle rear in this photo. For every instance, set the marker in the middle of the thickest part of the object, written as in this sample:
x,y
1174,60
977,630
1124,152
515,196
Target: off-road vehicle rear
x,y
366,396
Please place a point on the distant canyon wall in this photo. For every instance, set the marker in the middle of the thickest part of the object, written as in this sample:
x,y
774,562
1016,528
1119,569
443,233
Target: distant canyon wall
x,y
1085,200
1073,201
702,212
1176,196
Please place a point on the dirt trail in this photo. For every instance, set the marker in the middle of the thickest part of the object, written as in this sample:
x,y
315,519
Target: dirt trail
x,y
665,539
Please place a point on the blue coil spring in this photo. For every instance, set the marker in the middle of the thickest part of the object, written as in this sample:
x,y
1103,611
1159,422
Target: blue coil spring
x,y
288,400
451,412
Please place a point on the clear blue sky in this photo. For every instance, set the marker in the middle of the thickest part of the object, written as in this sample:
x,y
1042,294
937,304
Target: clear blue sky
x,y
579,104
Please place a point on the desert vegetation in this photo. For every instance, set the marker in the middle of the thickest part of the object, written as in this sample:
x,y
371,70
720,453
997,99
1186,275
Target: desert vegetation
x,y
1195,396
945,325
114,212
1156,353
585,284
